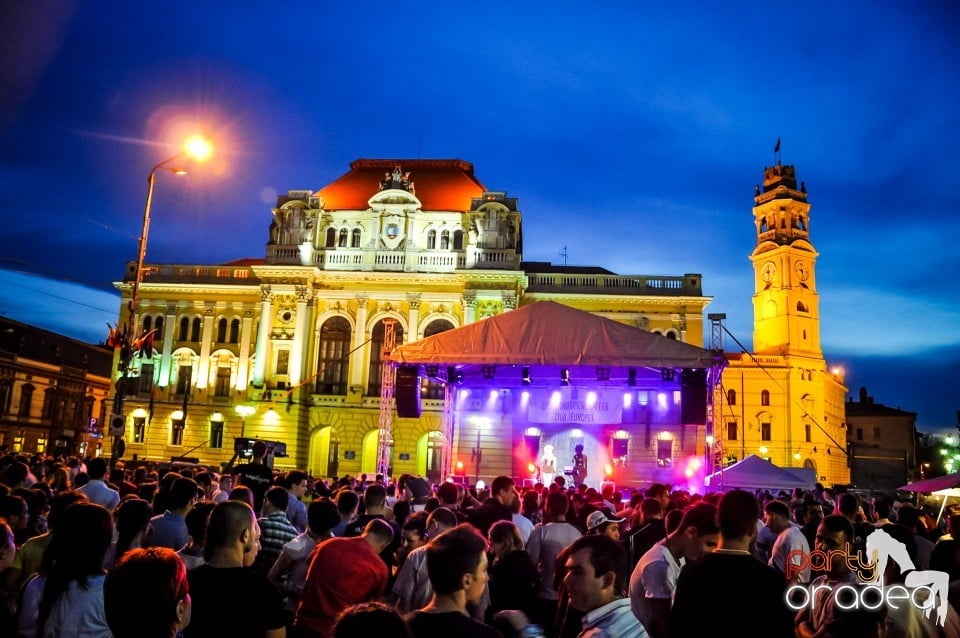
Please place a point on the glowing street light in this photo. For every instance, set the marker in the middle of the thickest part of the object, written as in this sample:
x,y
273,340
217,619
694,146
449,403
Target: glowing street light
x,y
198,149
243,411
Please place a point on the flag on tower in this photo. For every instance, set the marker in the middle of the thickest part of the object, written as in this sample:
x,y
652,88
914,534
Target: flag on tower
x,y
776,148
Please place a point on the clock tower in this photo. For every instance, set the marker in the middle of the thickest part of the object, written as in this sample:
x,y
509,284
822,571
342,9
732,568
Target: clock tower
x,y
786,308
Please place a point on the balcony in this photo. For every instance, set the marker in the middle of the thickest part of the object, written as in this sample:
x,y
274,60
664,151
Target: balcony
x,y
687,286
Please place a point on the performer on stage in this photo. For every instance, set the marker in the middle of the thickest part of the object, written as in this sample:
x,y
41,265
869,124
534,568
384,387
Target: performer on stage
x,y
548,465
579,466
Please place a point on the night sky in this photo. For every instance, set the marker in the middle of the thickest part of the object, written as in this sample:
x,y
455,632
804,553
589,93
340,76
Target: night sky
x,y
632,133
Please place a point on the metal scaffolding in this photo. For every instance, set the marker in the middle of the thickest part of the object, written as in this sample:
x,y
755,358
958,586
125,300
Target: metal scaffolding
x,y
387,377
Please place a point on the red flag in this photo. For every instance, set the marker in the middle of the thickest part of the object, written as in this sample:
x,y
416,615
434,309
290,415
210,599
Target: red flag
x,y
145,344
112,339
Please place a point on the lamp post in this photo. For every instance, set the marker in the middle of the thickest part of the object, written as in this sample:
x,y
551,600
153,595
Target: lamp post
x,y
198,149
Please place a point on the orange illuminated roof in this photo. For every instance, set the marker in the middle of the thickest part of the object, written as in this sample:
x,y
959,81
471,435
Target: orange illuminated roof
x,y
439,184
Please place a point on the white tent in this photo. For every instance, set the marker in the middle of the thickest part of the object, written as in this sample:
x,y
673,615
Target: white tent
x,y
755,473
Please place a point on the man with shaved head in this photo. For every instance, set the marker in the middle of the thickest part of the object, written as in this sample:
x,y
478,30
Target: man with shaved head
x,y
229,598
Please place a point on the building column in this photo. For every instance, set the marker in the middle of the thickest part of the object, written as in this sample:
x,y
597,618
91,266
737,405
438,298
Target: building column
x,y
263,336
469,309
357,371
169,326
299,338
243,365
206,343
414,318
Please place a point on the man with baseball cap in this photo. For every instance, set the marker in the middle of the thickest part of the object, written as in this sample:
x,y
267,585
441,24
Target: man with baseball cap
x,y
604,522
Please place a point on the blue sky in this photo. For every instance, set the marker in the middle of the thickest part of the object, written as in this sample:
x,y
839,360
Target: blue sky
x,y
632,134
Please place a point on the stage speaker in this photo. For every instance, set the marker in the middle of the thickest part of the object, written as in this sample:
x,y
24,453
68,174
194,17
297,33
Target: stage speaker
x,y
407,391
693,396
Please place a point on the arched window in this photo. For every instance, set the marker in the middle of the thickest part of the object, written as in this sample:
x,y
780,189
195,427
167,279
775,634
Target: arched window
x,y
147,323
458,240
801,223
376,355
331,238
222,330
342,243
334,357
431,240
158,329
731,397
763,224
195,330
437,326
235,331
355,238
765,397
670,334
445,240
184,333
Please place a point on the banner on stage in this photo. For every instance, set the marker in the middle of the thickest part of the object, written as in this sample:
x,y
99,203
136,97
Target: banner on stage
x,y
575,406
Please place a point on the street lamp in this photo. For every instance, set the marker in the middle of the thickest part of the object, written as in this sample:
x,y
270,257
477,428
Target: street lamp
x,y
196,148
244,411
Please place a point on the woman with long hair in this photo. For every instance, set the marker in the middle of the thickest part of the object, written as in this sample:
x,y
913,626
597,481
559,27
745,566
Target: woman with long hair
x,y
513,576
69,591
59,479
132,519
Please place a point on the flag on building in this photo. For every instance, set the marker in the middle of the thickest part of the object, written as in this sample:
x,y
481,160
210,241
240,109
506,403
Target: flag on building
x,y
776,148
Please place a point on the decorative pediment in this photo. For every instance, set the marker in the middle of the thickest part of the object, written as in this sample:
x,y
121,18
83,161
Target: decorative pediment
x,y
394,197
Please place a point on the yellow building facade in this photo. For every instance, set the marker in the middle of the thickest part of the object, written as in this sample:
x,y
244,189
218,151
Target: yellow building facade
x,y
296,339
782,401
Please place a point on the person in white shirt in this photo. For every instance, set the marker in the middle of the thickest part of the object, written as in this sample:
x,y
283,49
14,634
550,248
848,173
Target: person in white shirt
x,y
73,604
789,539
654,580
96,490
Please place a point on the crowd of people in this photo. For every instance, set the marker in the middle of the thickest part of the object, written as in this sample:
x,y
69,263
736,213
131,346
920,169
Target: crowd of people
x,y
147,551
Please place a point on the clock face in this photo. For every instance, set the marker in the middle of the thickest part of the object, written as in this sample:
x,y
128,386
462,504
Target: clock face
x,y
802,272
768,272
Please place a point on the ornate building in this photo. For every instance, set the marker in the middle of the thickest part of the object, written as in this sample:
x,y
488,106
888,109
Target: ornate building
x,y
781,401
296,340
53,391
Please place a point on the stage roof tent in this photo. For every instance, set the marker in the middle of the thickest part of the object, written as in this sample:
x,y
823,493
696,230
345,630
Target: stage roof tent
x,y
549,333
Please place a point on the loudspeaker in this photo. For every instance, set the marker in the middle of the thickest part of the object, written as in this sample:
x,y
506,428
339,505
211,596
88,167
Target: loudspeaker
x,y
407,391
693,396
